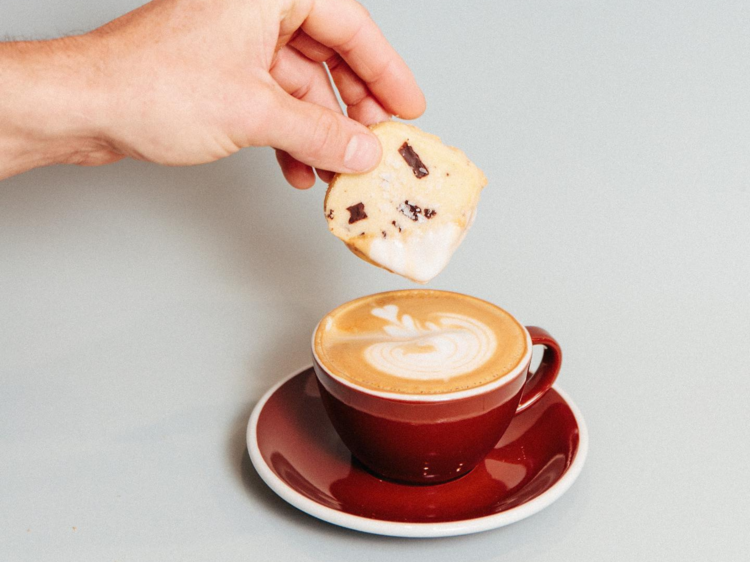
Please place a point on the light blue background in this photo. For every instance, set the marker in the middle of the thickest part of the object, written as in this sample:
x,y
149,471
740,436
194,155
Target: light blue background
x,y
144,310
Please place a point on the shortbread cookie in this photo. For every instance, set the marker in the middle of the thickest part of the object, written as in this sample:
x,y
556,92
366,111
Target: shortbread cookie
x,y
410,213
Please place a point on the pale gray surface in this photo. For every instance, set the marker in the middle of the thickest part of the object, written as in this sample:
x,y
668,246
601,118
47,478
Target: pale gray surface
x,y
144,310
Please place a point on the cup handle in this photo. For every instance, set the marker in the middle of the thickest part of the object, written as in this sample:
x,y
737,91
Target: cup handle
x,y
540,381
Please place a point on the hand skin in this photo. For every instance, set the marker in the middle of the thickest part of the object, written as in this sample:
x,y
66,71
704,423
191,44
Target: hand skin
x,y
182,82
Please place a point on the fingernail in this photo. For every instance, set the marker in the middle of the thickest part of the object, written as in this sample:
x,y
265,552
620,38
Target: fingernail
x,y
362,153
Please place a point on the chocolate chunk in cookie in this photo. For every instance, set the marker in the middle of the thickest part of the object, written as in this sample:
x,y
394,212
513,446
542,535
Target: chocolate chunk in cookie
x,y
356,213
413,159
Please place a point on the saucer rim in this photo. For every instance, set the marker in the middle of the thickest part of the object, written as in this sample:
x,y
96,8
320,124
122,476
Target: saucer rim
x,y
413,530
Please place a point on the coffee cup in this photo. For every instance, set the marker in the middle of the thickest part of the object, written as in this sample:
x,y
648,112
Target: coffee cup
x,y
421,384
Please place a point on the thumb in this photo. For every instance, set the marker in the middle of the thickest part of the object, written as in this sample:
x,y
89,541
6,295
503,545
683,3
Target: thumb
x,y
320,137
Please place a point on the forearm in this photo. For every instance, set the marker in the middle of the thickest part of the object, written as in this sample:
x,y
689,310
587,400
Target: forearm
x,y
48,105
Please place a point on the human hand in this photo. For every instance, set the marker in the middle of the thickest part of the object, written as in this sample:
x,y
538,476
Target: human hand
x,y
182,82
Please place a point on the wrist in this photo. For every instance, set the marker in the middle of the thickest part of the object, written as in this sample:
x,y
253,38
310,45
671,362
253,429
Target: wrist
x,y
50,105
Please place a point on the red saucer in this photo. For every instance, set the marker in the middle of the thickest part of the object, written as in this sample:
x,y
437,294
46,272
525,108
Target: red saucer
x,y
298,454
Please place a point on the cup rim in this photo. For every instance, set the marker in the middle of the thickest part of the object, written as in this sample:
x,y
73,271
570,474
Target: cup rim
x,y
521,367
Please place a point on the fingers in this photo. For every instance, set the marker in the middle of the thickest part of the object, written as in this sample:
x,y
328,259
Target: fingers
x,y
325,175
361,104
373,80
298,175
318,136
306,80
302,78
311,48
361,44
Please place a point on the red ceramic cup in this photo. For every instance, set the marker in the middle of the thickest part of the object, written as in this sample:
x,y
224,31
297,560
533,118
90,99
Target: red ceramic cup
x,y
430,439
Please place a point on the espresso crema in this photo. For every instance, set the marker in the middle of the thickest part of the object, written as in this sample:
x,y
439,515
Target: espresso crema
x,y
419,342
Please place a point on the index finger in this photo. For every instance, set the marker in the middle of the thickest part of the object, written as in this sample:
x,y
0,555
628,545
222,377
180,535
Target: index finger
x,y
346,27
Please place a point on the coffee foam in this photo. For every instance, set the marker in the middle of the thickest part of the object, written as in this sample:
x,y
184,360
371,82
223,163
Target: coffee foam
x,y
420,342
452,345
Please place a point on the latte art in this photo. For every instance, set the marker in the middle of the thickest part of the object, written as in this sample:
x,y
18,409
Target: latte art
x,y
420,341
451,345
